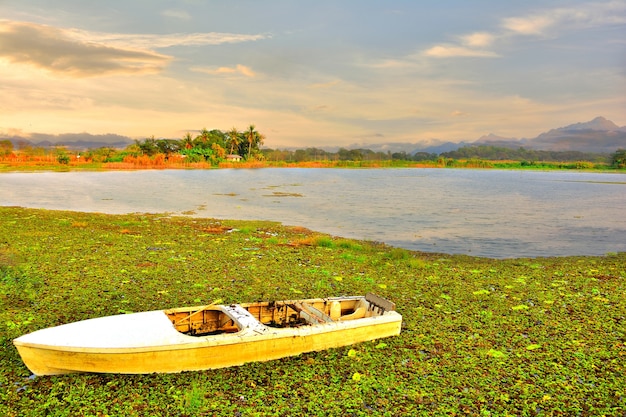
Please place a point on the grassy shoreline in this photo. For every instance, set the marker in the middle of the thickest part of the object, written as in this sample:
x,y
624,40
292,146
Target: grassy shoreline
x,y
481,337
51,165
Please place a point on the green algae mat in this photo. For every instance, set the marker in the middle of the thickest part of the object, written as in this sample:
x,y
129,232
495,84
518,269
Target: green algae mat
x,y
483,337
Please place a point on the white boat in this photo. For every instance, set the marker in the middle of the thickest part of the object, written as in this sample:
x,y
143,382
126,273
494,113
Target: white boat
x,y
207,337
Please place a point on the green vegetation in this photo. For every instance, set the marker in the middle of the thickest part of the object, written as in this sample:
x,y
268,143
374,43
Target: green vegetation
x,y
497,153
210,146
482,337
207,149
474,156
618,159
216,148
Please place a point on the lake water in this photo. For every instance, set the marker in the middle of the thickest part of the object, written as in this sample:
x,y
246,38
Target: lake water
x,y
490,213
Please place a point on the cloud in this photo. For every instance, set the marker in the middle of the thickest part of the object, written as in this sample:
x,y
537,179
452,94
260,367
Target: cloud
x,y
176,14
449,50
478,39
79,53
53,49
572,18
325,85
392,63
154,41
533,25
236,70
536,24
320,108
471,45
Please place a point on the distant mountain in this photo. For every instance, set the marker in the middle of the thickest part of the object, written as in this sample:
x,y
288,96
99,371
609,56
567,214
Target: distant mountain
x,y
434,146
493,138
599,123
72,141
598,136
443,147
499,141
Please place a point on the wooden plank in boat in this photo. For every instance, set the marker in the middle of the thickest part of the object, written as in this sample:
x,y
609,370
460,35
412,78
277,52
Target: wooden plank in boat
x,y
314,313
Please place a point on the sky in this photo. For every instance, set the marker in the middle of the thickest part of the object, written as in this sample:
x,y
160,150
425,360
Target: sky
x,y
311,73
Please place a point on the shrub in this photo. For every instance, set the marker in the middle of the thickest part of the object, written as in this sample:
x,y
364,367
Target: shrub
x,y
63,158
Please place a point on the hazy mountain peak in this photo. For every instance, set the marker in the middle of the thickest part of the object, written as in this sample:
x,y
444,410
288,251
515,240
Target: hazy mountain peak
x,y
492,138
599,123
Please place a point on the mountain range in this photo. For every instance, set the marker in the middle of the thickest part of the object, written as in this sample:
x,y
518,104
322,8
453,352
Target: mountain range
x,y
71,141
597,136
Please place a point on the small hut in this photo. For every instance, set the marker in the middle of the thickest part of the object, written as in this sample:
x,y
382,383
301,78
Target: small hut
x,y
233,158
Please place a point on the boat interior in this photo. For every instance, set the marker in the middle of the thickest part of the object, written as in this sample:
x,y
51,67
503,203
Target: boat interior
x,y
215,319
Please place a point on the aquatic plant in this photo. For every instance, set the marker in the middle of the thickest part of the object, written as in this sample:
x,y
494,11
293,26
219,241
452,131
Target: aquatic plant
x,y
518,337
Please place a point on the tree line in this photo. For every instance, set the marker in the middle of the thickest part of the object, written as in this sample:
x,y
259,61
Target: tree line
x,y
497,153
214,146
209,145
470,152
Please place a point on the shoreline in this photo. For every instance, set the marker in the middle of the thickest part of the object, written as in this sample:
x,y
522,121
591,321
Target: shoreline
x,y
192,216
120,166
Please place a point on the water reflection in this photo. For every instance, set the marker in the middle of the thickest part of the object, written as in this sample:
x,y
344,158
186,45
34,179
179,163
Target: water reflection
x,y
488,213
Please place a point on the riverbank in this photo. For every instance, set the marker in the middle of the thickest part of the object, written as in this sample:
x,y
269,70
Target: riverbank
x,y
77,164
506,337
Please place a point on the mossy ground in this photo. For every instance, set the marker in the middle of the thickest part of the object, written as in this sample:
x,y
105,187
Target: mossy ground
x,y
484,337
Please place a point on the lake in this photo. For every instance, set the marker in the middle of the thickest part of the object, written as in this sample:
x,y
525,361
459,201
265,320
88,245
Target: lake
x,y
489,213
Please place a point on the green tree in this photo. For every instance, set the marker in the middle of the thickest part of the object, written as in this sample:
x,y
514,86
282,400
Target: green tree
x,y
187,141
207,138
6,147
233,139
202,140
350,155
218,151
218,137
148,146
63,157
424,156
402,155
103,154
618,159
168,146
197,154
254,140
300,155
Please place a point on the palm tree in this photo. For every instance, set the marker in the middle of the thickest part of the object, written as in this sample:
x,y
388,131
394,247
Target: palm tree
x,y
204,136
233,139
187,141
254,138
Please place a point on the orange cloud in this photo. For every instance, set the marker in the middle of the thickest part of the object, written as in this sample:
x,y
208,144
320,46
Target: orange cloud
x,y
57,51
448,51
236,70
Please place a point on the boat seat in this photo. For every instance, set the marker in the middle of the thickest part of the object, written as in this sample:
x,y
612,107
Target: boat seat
x,y
359,311
335,310
244,319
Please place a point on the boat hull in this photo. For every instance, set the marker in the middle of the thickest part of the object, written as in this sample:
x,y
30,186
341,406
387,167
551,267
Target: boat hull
x,y
254,342
171,359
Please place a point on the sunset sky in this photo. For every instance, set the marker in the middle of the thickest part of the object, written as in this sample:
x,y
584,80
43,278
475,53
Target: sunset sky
x,y
311,73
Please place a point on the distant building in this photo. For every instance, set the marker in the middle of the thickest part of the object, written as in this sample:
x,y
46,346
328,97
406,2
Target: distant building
x,y
234,158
